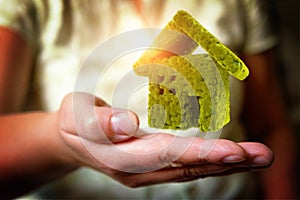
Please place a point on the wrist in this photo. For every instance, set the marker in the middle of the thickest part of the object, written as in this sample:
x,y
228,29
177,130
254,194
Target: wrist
x,y
59,149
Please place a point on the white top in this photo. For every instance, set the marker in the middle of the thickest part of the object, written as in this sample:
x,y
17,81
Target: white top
x,y
64,35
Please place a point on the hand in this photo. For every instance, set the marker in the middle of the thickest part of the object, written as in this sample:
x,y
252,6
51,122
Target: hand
x,y
108,140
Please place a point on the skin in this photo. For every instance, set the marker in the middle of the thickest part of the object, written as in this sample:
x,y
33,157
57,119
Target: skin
x,y
39,147
13,90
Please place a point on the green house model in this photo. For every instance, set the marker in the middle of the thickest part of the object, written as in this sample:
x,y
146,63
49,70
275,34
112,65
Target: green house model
x,y
187,90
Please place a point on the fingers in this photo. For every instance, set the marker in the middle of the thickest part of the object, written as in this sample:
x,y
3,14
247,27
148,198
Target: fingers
x,y
91,118
150,153
168,175
218,151
258,154
185,173
180,160
187,151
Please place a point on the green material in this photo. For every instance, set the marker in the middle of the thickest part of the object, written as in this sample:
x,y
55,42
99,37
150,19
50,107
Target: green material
x,y
188,90
185,23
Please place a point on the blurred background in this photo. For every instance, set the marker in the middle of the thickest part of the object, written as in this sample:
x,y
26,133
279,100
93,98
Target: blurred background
x,y
285,15
286,21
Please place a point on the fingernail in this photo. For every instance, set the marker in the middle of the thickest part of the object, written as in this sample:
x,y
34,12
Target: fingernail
x,y
233,159
260,161
124,122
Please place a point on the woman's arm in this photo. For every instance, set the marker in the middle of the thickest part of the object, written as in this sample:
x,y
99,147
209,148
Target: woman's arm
x,y
38,147
27,144
268,121
31,152
15,70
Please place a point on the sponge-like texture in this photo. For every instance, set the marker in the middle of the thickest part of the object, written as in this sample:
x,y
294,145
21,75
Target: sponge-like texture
x,y
188,90
185,23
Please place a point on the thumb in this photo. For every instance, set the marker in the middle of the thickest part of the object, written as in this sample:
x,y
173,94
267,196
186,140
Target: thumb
x,y
90,118
117,124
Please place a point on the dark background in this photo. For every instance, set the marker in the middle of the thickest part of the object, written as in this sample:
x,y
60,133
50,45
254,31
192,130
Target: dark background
x,y
286,23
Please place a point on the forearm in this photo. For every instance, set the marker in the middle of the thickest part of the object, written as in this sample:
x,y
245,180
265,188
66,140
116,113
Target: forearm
x,y
15,70
32,152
